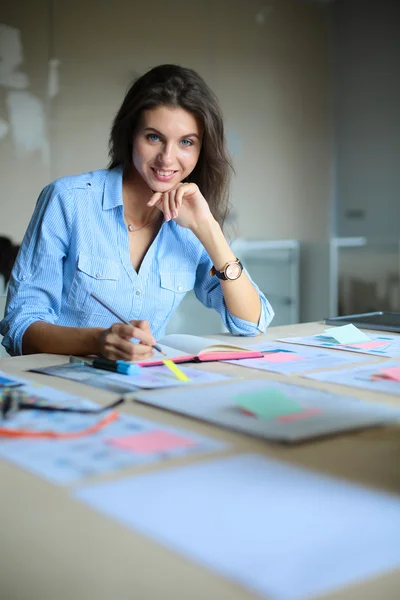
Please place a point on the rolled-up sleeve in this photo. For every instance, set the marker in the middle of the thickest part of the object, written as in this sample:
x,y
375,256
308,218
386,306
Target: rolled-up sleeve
x,y
208,290
36,283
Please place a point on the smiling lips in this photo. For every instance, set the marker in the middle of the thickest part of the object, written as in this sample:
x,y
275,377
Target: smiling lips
x,y
163,174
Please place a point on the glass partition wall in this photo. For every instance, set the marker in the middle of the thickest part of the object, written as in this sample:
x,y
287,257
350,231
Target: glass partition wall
x,y
368,275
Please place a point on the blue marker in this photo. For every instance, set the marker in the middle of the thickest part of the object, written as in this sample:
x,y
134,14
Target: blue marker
x,y
117,366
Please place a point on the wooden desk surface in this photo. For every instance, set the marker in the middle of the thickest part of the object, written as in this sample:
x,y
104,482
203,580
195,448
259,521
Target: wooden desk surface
x,y
54,548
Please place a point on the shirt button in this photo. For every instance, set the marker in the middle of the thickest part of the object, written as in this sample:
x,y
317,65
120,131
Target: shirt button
x,y
138,292
98,275
23,277
179,288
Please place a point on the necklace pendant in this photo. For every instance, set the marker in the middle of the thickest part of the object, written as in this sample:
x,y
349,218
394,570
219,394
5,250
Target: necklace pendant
x,y
130,227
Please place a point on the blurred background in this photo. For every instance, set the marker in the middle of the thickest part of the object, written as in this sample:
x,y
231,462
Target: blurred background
x,y
311,97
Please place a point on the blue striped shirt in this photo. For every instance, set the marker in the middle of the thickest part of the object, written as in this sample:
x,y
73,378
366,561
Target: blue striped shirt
x,y
77,243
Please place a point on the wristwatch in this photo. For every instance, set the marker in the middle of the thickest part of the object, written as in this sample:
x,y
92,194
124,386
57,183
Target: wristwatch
x,y
229,272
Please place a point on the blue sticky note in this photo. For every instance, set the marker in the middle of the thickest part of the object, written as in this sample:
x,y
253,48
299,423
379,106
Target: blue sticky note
x,y
6,382
347,334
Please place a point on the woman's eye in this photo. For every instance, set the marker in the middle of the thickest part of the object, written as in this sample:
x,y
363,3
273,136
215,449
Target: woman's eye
x,y
187,143
152,137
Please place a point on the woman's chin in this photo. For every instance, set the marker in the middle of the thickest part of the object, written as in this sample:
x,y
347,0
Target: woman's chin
x,y
162,186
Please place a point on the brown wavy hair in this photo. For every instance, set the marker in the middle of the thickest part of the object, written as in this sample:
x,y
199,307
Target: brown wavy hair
x,y
172,85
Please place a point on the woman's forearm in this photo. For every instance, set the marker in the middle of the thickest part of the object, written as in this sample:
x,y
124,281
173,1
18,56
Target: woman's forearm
x,y
241,297
57,339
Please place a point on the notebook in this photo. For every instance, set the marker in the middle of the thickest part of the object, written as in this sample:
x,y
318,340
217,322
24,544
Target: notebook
x,y
181,347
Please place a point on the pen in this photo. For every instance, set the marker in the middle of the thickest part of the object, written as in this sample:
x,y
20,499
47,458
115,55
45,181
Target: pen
x,y
118,366
122,319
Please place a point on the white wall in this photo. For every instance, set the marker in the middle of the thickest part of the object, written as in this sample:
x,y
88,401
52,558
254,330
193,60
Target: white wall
x,y
24,142
267,61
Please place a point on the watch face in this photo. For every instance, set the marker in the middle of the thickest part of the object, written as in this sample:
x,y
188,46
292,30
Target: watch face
x,y
233,271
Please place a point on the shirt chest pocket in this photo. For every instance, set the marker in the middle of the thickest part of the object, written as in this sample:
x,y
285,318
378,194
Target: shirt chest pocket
x,y
93,274
173,287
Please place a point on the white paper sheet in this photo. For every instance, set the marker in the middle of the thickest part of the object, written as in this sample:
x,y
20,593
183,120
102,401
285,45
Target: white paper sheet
x,y
279,531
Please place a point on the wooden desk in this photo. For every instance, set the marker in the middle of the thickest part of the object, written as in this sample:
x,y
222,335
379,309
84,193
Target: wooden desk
x,y
54,548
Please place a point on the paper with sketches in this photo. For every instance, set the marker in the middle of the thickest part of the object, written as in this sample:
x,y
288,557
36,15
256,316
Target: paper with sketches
x,y
289,359
68,461
384,345
161,377
154,378
280,531
362,376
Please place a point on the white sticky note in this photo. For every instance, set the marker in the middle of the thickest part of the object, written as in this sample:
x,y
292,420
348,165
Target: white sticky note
x,y
280,531
347,334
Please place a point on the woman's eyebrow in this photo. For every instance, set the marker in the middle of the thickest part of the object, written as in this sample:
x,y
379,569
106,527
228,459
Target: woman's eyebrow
x,y
162,135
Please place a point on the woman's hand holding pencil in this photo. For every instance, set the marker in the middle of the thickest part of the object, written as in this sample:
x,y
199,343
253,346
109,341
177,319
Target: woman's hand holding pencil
x,y
116,341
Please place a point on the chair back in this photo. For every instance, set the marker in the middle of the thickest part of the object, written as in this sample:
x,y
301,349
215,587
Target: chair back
x,y
3,298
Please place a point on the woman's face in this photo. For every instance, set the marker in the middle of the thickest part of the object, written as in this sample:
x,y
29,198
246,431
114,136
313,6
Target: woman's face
x,y
166,146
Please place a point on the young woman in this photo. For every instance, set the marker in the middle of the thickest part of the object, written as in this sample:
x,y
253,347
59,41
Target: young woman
x,y
139,234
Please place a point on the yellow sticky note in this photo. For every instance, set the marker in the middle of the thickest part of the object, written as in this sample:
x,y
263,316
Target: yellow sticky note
x,y
176,370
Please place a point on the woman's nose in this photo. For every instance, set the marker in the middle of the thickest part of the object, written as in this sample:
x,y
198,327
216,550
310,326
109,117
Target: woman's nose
x,y
166,156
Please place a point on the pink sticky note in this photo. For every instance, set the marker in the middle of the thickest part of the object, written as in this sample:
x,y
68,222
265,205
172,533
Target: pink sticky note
x,y
151,441
280,357
367,345
308,412
391,372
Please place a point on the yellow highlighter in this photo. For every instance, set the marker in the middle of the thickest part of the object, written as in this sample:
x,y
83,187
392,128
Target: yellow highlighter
x,y
176,370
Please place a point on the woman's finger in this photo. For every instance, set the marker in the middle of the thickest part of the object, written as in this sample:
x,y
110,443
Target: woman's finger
x,y
121,348
180,192
145,337
122,330
156,197
165,206
116,348
113,353
172,204
131,352
145,325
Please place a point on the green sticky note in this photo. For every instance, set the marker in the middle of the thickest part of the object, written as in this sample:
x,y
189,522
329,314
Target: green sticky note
x,y
268,403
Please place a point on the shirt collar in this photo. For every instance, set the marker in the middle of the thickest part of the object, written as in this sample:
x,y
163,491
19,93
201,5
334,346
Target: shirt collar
x,y
113,188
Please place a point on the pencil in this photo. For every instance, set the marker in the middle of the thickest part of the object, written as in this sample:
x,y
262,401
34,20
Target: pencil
x,y
122,319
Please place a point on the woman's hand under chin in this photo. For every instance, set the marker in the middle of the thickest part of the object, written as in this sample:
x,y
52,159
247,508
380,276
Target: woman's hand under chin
x,y
184,204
